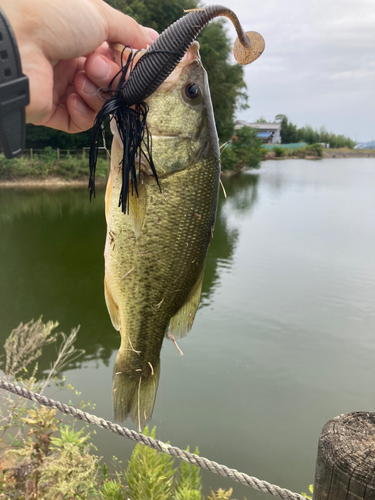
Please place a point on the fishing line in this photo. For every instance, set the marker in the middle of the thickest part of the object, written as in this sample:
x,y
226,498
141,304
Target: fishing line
x,y
131,122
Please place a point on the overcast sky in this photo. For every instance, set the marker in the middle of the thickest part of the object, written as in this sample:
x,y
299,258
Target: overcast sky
x,y
318,67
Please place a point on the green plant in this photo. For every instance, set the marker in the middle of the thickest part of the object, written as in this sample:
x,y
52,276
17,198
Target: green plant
x,y
46,164
316,149
311,490
49,154
112,489
279,152
221,494
189,485
244,150
69,436
43,464
29,430
71,472
150,474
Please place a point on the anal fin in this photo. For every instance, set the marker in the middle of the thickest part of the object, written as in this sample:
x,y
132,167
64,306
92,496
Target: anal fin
x,y
181,323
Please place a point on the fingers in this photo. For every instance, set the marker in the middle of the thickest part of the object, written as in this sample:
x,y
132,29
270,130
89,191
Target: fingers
x,y
73,117
87,90
81,115
98,73
153,33
100,69
123,29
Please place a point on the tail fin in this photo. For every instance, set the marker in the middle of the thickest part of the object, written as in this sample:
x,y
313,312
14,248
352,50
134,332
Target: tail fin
x,y
133,392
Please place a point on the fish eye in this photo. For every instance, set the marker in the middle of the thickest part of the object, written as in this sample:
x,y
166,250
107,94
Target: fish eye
x,y
193,91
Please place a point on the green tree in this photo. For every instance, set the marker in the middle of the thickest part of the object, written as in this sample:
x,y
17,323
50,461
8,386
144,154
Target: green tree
x,y
288,130
290,133
38,137
243,151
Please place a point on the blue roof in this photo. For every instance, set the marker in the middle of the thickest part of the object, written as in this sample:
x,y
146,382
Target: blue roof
x,y
264,135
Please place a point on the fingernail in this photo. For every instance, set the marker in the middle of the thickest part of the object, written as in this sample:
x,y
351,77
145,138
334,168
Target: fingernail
x,y
80,106
88,87
100,69
152,34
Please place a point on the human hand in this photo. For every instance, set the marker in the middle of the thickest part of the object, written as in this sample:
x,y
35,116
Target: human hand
x,y
64,52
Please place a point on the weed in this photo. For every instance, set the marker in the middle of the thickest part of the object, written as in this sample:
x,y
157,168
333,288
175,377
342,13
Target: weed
x,y
42,458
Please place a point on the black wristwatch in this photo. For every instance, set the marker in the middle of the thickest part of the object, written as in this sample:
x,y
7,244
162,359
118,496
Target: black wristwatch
x,y
14,92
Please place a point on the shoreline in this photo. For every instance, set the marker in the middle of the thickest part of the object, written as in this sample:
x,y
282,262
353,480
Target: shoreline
x,y
50,182
59,182
349,154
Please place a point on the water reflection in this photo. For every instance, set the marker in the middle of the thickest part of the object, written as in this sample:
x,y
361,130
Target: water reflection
x,y
51,263
242,193
51,260
286,344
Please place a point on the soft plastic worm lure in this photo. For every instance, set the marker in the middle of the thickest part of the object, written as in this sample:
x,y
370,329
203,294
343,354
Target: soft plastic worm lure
x,y
126,103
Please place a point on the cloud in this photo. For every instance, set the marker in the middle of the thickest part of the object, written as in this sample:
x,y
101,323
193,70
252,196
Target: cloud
x,y
319,63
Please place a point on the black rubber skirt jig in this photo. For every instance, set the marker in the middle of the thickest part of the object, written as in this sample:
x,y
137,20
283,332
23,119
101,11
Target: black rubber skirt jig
x,y
125,103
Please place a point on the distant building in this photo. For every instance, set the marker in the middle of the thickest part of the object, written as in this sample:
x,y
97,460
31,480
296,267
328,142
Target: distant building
x,y
365,145
269,133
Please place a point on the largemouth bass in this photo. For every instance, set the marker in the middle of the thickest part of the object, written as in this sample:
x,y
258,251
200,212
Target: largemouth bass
x,y
155,255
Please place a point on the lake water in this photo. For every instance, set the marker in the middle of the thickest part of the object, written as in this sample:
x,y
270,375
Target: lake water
x,y
285,336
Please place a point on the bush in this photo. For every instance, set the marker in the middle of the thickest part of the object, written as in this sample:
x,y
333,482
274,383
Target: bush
x,y
279,152
244,150
315,149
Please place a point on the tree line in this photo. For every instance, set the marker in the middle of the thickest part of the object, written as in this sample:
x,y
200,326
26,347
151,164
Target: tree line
x,y
290,133
227,86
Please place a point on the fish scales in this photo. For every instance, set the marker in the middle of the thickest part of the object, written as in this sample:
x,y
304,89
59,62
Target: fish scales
x,y
154,263
163,265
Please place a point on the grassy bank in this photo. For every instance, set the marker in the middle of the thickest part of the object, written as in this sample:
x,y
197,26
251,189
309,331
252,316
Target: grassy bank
x,y
44,168
348,153
46,164
307,151
314,151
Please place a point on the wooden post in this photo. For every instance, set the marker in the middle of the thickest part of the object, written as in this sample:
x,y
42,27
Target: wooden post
x,y
345,467
31,153
58,154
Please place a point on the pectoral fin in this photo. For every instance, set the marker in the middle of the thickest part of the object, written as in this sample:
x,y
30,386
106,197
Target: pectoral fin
x,y
108,196
137,209
181,323
111,306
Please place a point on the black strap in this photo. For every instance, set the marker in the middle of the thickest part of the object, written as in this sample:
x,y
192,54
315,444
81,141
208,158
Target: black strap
x,y
14,92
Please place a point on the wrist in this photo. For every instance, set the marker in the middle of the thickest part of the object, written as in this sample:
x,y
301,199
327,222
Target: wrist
x,y
14,91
